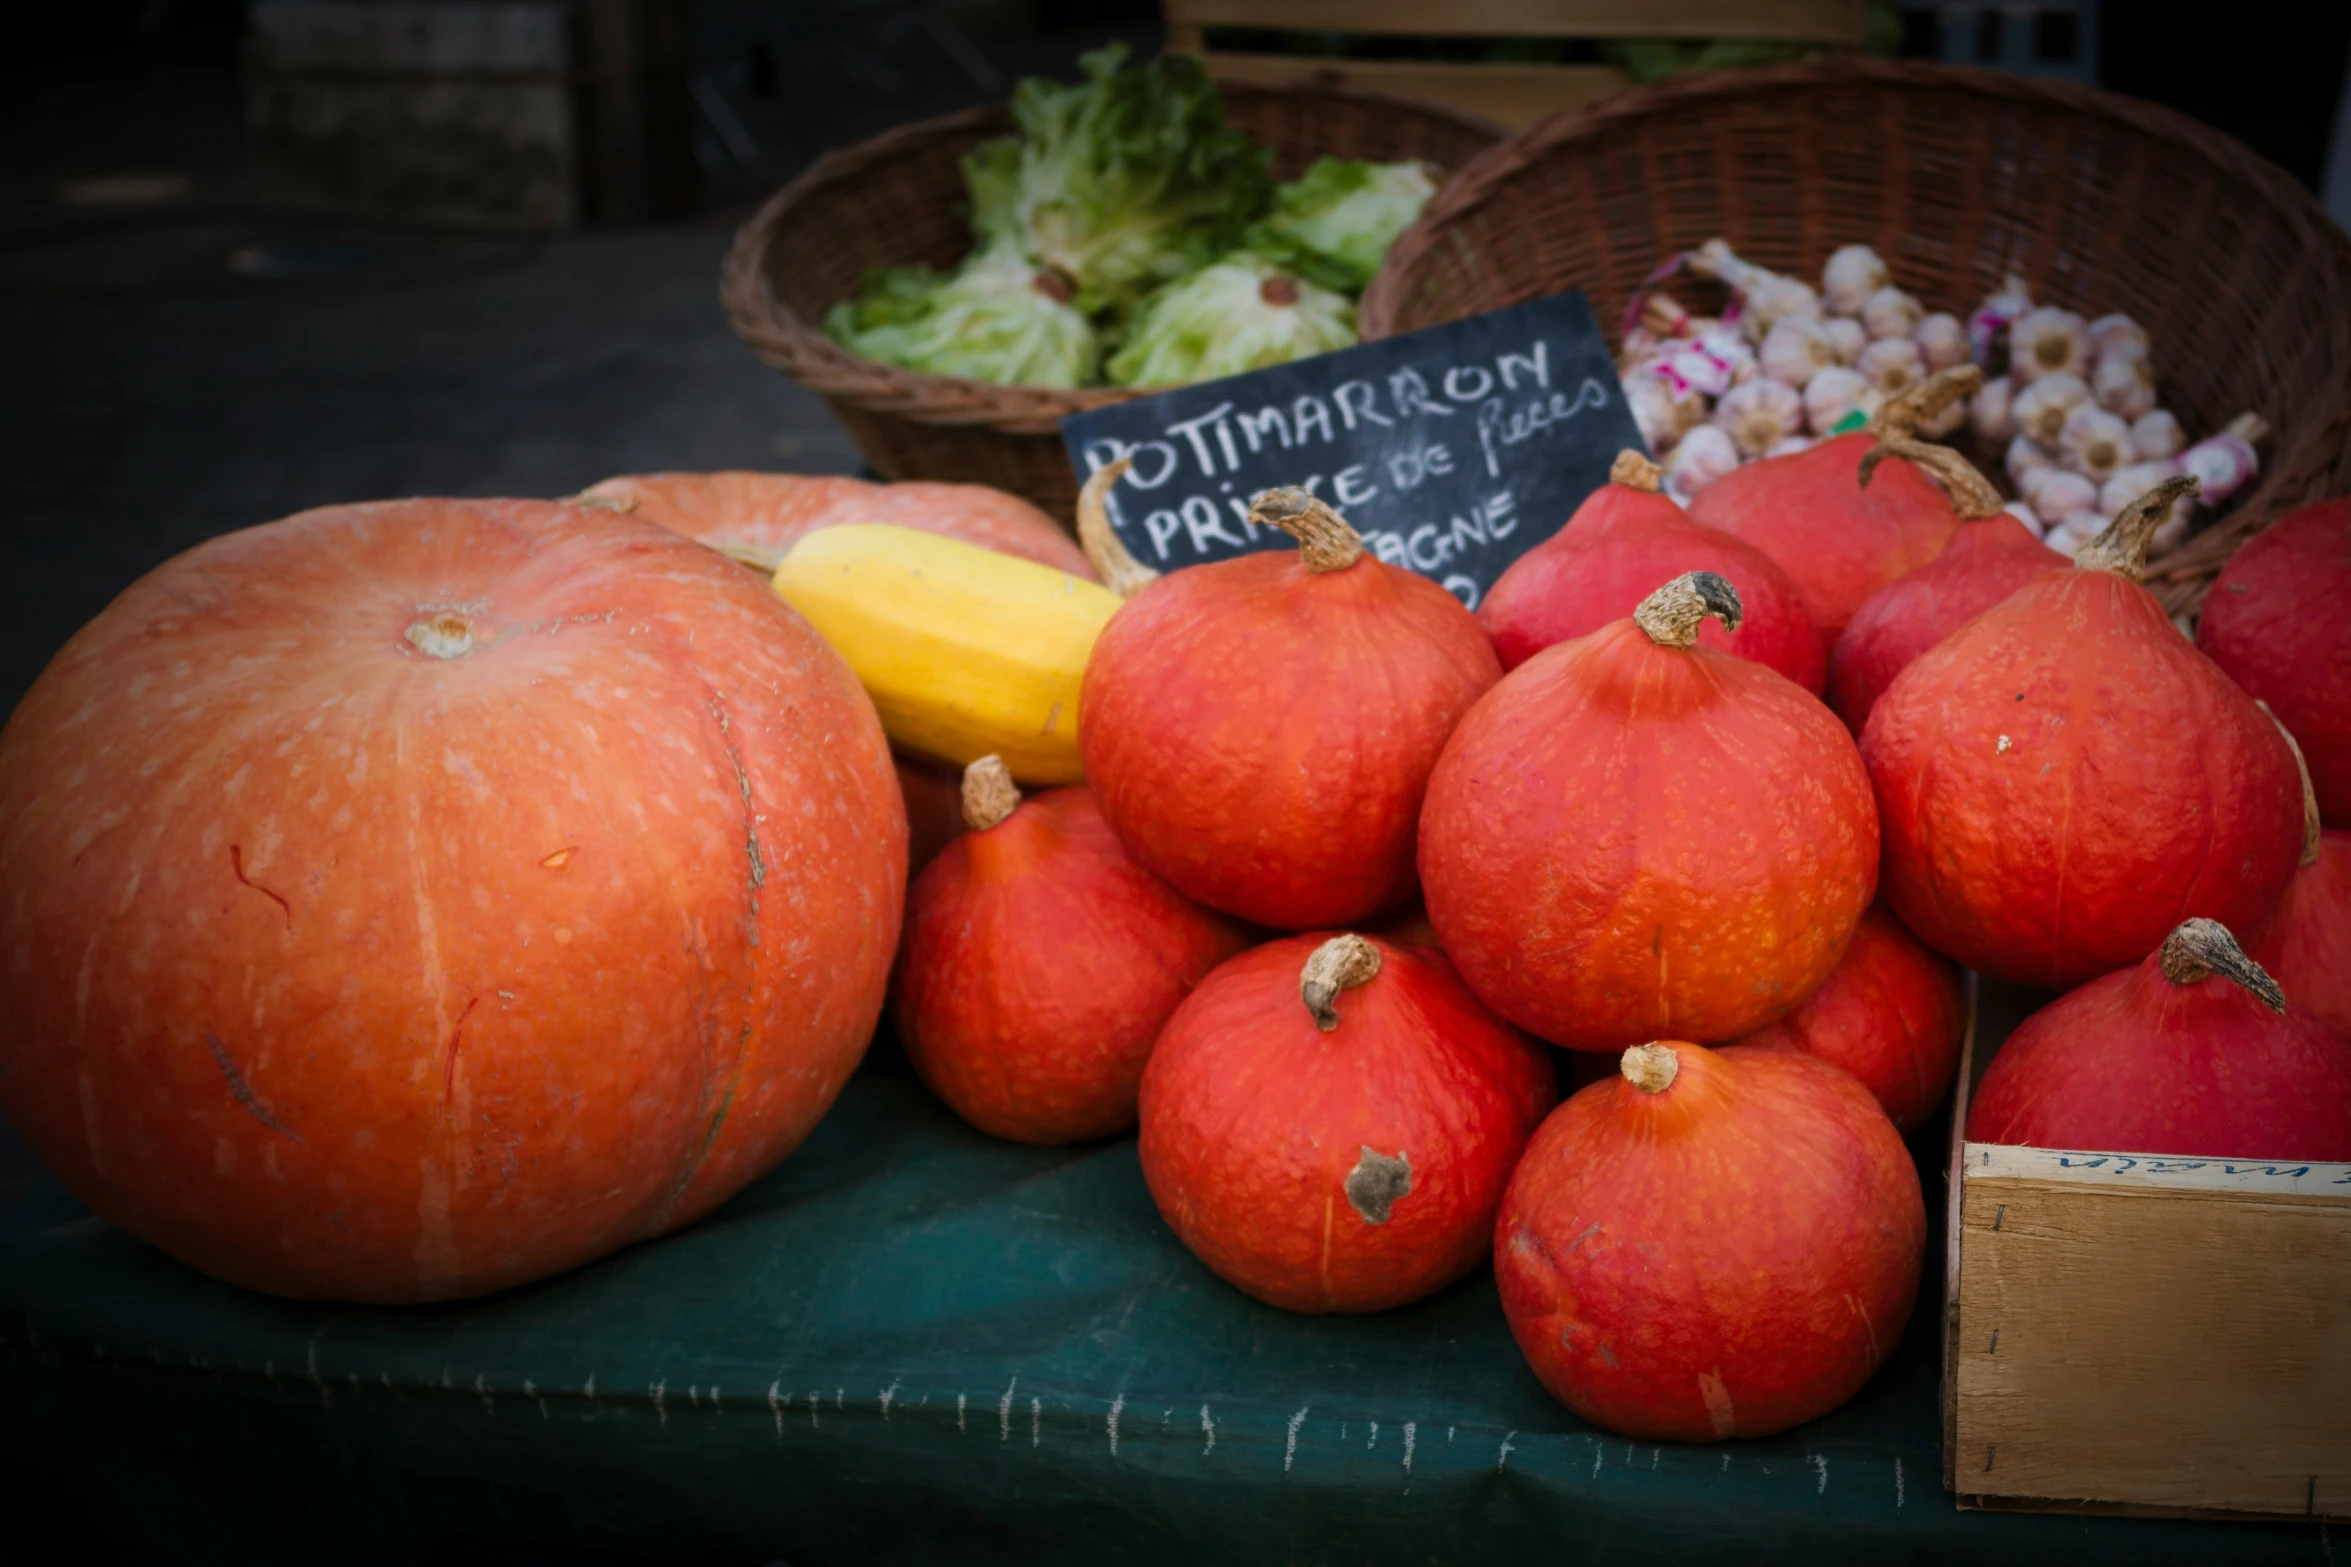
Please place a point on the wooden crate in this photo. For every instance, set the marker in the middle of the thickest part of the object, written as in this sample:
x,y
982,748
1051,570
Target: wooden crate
x,y
2132,1334
1515,95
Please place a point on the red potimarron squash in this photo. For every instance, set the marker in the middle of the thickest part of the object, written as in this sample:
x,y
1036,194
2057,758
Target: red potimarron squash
x,y
1837,541
1890,1013
1990,557
1715,1243
2194,1052
1039,962
415,899
1259,731
1635,836
2306,944
760,516
2278,619
1624,540
2065,778
1329,1121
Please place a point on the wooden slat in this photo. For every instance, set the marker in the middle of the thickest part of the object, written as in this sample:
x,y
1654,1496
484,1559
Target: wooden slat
x,y
1837,22
1512,95
2170,1333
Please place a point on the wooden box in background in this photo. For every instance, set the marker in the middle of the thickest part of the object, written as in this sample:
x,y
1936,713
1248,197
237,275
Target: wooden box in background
x,y
1515,94
2133,1334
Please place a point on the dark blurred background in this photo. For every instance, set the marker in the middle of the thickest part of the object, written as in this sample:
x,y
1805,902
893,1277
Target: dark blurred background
x,y
203,329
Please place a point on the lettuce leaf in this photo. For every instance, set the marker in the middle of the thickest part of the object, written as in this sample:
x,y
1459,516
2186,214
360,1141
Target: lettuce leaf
x,y
998,318
1334,223
1241,313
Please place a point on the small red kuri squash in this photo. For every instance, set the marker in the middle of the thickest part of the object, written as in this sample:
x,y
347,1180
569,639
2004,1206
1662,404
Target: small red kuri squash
x,y
1990,557
1890,1013
767,513
1329,1121
411,900
1837,541
2306,944
2278,619
1259,731
2065,778
1716,1243
1040,961
1633,835
1624,540
2194,1052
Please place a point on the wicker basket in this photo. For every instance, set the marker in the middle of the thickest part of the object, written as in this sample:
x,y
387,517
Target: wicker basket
x,y
899,199
1957,177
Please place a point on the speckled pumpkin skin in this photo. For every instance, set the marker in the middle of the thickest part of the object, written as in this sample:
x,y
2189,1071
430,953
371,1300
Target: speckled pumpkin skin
x,y
1625,842
1985,561
2278,619
2134,1063
1040,962
1624,543
1261,735
1254,1120
1890,1013
2065,779
336,969
2306,946
1838,542
1730,1257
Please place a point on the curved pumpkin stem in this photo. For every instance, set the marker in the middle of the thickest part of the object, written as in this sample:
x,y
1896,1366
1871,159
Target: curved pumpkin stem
x,y
1113,562
1325,541
2312,827
1671,616
2200,949
2122,548
1636,472
1907,412
757,557
1651,1068
989,794
1972,495
1341,963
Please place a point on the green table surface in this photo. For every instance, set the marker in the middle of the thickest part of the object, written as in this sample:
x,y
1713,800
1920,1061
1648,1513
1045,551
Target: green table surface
x,y
911,1343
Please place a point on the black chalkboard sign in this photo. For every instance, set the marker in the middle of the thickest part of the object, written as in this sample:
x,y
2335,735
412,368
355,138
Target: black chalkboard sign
x,y
1452,450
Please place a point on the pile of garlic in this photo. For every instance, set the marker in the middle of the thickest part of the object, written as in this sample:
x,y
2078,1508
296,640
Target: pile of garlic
x,y
2075,422
1787,364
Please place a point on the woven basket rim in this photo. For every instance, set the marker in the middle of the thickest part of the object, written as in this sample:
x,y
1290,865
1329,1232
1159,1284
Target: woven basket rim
x,y
784,339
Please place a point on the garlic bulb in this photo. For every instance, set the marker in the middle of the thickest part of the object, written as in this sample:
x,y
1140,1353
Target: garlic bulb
x,y
1852,275
1789,446
1661,413
2132,480
2155,434
1988,412
1797,349
1989,323
2026,515
2047,342
1847,336
1891,364
2040,408
1945,421
1705,454
1760,414
2107,333
1891,313
2226,462
2093,442
1774,300
2079,529
2054,494
1698,371
2123,384
1832,395
1941,340
2023,456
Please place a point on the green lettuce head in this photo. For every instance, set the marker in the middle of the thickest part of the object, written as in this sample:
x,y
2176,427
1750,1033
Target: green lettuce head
x,y
998,319
1120,182
1335,223
1242,313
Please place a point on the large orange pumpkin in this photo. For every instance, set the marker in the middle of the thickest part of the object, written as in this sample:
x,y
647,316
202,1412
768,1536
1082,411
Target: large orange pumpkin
x,y
414,899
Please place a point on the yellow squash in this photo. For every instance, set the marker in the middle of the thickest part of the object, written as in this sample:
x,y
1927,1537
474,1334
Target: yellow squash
x,y
963,650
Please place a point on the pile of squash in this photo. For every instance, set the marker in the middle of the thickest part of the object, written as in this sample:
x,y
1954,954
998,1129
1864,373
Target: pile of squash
x,y
409,900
